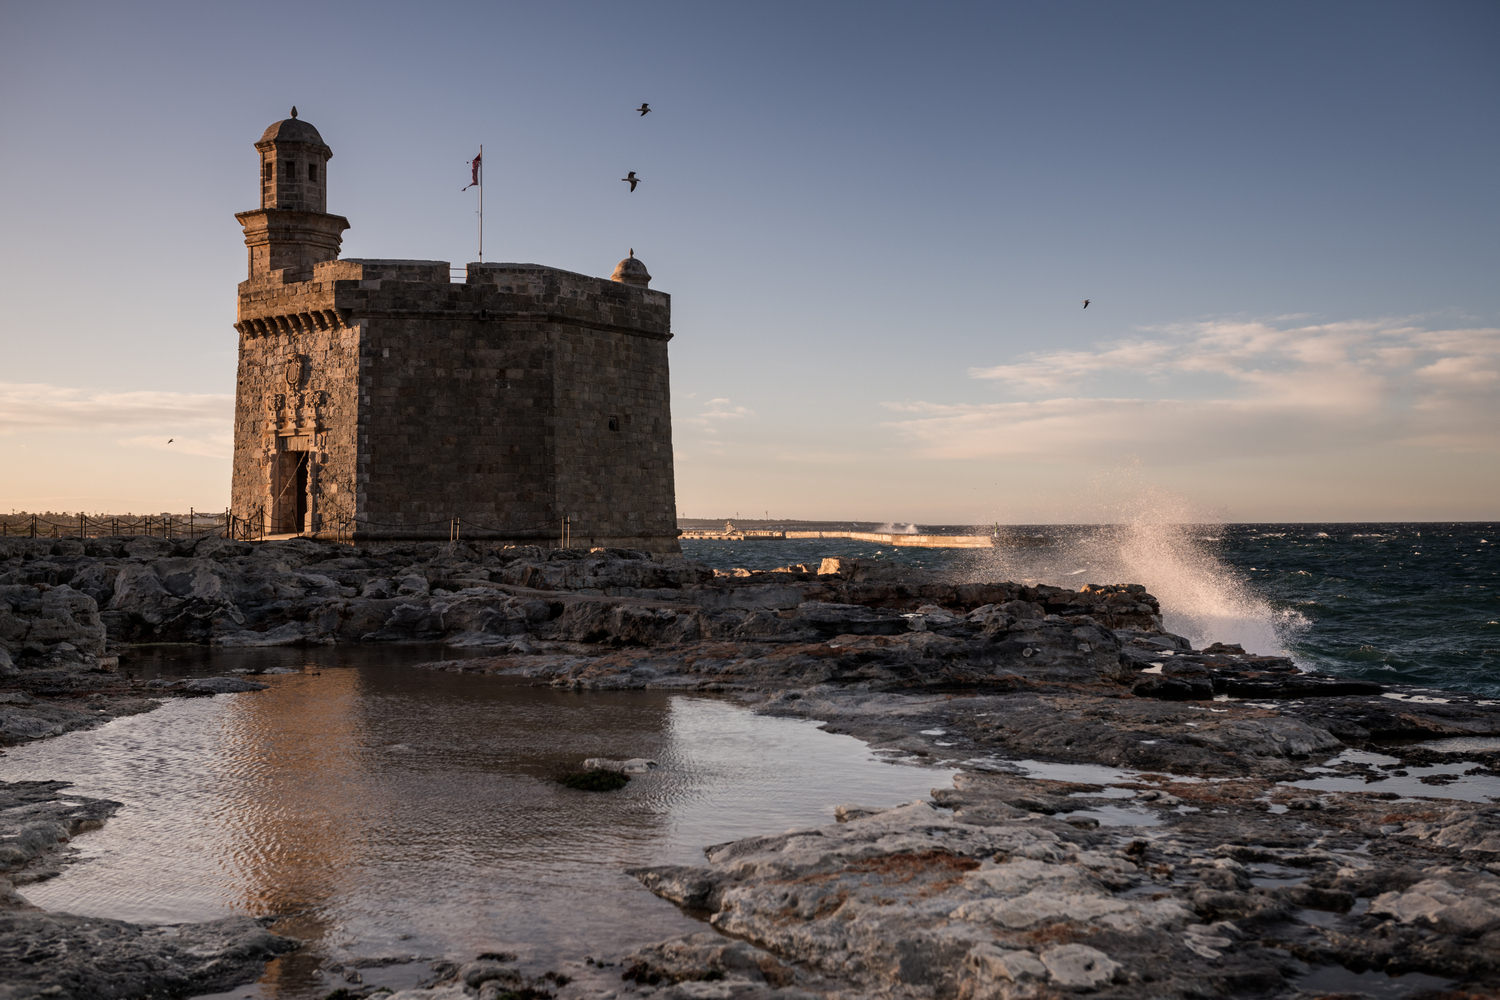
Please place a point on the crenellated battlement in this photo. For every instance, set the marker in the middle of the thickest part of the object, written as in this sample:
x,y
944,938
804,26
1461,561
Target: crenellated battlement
x,y
340,292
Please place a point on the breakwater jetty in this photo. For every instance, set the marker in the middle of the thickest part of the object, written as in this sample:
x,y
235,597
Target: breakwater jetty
x,y
880,537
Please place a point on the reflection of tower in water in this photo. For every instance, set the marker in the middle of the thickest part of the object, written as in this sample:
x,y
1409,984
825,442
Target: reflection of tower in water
x,y
296,798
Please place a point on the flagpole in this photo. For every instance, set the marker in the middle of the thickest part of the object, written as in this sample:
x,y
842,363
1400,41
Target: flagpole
x,y
481,203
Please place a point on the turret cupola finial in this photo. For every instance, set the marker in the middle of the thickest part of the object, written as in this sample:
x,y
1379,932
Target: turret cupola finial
x,y
632,271
294,111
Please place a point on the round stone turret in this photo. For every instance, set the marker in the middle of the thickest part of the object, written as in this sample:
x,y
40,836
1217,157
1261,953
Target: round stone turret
x,y
631,271
292,230
293,166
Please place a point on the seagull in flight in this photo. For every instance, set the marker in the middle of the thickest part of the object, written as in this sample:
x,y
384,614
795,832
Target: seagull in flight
x,y
1086,303
644,109
170,440
631,179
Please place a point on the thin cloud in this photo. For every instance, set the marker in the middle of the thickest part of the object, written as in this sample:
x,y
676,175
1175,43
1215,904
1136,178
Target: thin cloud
x,y
708,422
33,406
1231,389
716,410
722,409
206,446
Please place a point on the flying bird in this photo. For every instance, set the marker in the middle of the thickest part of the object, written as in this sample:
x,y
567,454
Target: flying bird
x,y
631,179
1086,303
170,440
644,109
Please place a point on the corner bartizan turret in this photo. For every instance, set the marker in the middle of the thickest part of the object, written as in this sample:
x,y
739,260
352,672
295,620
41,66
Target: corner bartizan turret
x,y
631,271
292,230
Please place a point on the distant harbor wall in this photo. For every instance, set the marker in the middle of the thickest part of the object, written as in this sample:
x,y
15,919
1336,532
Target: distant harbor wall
x,y
879,537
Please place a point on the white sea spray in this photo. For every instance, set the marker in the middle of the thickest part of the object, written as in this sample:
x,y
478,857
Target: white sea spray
x,y
1150,536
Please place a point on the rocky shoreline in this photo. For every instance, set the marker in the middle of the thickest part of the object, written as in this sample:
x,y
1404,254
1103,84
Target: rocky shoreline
x,y
1198,857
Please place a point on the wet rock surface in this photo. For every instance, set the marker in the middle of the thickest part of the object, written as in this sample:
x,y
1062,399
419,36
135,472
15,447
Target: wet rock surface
x,y
37,819
1003,897
66,956
1187,865
131,590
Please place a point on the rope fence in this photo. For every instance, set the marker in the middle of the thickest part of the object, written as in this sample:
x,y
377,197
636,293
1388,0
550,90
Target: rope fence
x,y
559,532
193,524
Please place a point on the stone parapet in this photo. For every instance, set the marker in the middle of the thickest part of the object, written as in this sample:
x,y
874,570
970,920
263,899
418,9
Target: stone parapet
x,y
356,269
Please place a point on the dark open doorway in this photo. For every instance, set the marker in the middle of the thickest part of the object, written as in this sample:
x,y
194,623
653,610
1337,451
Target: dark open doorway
x,y
290,515
301,491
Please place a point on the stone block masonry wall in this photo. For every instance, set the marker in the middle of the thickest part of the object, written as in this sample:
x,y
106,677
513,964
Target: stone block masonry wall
x,y
614,437
513,400
457,424
611,410
296,394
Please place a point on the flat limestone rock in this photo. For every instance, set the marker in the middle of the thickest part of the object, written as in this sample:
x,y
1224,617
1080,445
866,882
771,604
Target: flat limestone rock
x,y
63,955
37,819
634,765
895,903
222,685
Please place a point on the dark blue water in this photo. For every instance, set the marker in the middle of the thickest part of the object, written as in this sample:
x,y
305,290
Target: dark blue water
x,y
1417,603
1410,603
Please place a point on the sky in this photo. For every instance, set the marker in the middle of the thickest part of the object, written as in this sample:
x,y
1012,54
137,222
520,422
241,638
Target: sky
x,y
877,222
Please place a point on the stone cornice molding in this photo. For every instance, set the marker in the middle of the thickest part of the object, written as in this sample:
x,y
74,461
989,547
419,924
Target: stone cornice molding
x,y
306,321
320,148
291,219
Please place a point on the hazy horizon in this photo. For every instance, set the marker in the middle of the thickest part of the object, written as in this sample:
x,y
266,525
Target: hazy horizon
x,y
877,225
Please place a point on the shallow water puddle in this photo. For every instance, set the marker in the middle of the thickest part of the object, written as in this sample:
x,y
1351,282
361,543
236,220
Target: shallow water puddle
x,y
1469,788
1108,815
395,811
1378,985
1083,774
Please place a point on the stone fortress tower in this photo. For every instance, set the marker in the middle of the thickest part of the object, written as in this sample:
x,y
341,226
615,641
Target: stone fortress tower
x,y
382,399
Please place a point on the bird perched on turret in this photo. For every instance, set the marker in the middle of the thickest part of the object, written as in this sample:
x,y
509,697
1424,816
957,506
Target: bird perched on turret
x,y
294,111
644,109
631,179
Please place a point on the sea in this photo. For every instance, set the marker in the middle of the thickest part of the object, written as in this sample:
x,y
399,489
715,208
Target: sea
x,y
1412,603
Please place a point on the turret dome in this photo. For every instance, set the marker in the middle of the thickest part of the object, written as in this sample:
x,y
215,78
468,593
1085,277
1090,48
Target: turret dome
x,y
631,271
292,130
